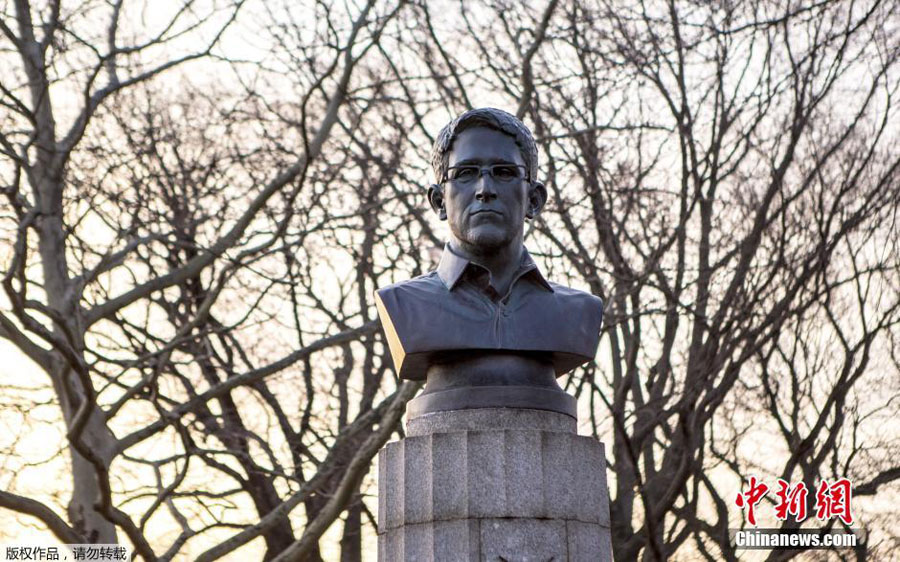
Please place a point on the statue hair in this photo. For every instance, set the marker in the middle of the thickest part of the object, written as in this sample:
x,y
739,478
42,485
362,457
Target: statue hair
x,y
490,118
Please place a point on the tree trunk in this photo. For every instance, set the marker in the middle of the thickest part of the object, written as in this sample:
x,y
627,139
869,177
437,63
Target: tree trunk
x,y
351,541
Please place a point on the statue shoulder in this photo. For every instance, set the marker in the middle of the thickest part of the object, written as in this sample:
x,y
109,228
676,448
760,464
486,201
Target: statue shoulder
x,y
402,308
568,296
425,287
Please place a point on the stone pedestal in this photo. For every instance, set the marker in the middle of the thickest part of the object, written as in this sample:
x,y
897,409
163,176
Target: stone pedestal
x,y
493,484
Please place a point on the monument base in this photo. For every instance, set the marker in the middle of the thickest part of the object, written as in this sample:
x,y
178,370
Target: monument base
x,y
493,484
493,397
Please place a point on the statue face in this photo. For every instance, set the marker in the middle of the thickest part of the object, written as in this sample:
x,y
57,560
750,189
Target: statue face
x,y
486,213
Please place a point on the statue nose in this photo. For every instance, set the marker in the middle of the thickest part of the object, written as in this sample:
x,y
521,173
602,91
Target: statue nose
x,y
484,190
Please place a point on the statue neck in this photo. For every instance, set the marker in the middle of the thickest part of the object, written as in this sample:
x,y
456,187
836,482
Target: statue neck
x,y
502,262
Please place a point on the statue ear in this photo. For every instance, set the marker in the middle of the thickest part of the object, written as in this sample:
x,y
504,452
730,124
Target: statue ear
x,y
436,199
537,196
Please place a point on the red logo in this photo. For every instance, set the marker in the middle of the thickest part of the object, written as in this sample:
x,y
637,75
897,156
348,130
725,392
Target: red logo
x,y
791,500
749,499
832,500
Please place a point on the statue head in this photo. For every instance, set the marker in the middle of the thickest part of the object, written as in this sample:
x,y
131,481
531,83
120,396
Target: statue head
x,y
485,163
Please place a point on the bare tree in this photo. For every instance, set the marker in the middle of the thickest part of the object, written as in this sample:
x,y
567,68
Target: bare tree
x,y
750,181
163,236
194,245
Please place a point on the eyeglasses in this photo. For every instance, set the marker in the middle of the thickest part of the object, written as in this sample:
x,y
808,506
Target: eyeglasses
x,y
503,173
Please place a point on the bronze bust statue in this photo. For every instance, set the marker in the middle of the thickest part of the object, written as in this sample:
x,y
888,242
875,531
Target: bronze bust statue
x,y
486,329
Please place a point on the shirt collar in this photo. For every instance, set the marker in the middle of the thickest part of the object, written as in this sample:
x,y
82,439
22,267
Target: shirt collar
x,y
452,267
